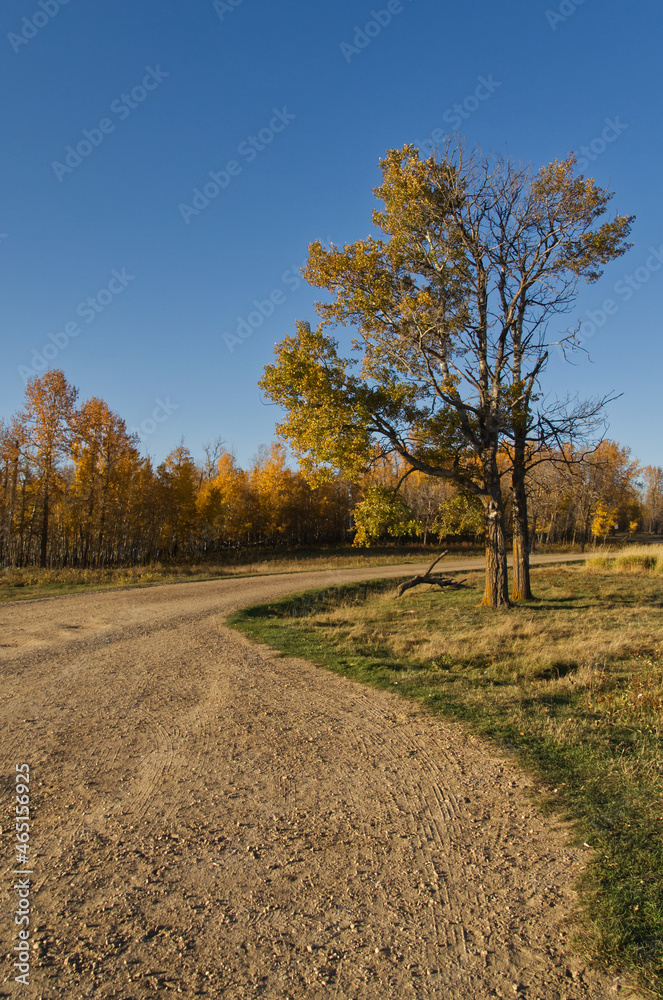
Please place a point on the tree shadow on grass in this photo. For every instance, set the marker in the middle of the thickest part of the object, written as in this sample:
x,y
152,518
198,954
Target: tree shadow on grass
x,y
560,604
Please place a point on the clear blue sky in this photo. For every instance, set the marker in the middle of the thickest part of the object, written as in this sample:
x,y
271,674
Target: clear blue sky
x,y
169,92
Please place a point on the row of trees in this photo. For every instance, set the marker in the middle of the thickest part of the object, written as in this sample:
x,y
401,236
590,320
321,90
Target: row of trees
x,y
75,491
568,501
453,307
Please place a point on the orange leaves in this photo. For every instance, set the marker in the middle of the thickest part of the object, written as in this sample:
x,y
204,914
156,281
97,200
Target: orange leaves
x,y
48,415
74,489
603,520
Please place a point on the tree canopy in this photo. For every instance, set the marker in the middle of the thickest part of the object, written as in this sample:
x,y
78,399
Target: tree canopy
x,y
451,307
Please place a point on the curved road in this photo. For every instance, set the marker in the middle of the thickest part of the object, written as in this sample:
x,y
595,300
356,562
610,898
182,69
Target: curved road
x,y
209,819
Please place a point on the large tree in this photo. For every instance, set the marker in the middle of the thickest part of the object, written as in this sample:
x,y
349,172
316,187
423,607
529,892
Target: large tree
x,y
48,420
540,239
106,461
451,306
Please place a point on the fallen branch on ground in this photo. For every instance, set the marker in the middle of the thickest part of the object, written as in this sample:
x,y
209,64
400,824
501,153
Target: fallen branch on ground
x,y
439,581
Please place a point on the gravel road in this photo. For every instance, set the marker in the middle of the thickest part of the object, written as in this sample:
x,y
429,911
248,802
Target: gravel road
x,y
209,819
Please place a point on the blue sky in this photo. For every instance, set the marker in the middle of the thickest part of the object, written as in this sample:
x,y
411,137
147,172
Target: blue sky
x,y
110,274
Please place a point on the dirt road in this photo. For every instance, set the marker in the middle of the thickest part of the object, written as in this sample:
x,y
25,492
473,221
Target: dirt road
x,y
211,820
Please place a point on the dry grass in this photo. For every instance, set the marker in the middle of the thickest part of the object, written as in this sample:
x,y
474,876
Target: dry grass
x,y
634,559
27,582
579,622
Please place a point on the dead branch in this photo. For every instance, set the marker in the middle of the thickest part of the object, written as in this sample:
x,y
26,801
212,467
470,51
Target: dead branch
x,y
437,581
436,561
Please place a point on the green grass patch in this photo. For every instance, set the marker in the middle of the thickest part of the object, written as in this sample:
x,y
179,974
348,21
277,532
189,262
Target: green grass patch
x,y
572,683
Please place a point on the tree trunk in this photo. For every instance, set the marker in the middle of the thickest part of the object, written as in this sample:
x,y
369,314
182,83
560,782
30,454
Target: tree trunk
x,y
497,582
522,590
43,551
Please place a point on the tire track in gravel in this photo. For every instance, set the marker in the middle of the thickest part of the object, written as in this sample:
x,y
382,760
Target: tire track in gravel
x,y
219,821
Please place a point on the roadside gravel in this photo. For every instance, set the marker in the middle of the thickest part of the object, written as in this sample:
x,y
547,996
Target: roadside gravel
x,y
210,819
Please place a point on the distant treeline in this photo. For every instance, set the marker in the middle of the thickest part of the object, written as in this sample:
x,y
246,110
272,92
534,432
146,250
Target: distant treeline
x,y
75,491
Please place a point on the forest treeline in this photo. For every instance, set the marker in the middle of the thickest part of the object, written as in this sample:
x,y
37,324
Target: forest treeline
x,y
75,491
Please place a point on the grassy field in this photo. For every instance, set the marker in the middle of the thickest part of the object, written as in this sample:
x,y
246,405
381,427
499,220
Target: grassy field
x,y
571,683
632,559
31,582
